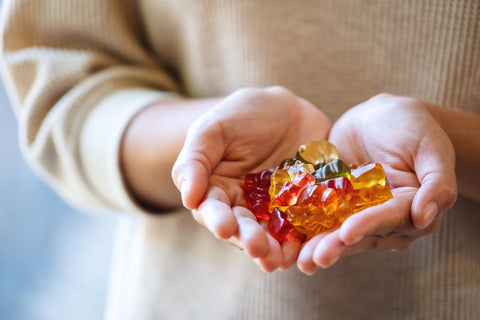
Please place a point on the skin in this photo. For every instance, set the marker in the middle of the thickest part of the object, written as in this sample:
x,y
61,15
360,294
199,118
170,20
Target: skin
x,y
250,130
419,162
215,160
254,129
462,129
150,146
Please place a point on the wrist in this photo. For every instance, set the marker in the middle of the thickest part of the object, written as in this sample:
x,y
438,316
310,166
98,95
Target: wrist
x,y
150,146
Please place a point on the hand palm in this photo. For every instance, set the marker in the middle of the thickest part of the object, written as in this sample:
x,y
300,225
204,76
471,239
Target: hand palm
x,y
244,134
416,155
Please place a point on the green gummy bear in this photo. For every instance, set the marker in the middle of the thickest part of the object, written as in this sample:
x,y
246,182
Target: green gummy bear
x,y
331,170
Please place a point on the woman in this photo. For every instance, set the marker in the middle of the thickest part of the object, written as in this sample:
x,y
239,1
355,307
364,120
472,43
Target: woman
x,y
105,92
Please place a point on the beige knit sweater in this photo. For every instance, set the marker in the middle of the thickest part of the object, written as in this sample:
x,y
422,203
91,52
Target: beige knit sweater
x,y
78,70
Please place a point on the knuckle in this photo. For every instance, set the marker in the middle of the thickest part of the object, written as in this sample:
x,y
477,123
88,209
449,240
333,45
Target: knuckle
x,y
383,96
255,250
400,224
247,91
434,227
278,89
374,243
394,100
197,161
175,174
178,172
402,245
250,95
261,95
451,194
220,231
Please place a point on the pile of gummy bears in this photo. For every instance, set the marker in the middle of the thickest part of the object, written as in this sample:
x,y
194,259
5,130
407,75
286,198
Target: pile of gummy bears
x,y
313,192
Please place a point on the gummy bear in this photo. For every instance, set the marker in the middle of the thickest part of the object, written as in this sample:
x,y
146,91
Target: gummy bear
x,y
278,179
318,152
282,229
299,167
291,190
288,162
341,185
318,195
288,182
331,170
310,220
371,196
370,186
367,175
315,210
313,192
256,192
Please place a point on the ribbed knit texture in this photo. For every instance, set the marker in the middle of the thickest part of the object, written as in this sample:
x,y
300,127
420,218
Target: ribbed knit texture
x,y
63,58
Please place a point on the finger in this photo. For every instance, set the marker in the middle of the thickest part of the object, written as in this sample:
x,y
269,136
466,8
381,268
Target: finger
x,y
290,251
437,193
395,243
305,258
251,236
389,217
216,214
202,151
273,259
328,250
435,167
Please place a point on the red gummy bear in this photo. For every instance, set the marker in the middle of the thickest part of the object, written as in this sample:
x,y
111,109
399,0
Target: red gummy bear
x,y
341,185
289,194
256,192
282,229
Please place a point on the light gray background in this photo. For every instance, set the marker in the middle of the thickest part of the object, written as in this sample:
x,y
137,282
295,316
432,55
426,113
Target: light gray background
x,y
54,260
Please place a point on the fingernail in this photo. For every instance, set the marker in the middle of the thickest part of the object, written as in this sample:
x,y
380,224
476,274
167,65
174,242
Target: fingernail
x,y
430,213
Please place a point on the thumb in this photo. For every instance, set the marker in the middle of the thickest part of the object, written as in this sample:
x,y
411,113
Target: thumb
x,y
435,168
202,151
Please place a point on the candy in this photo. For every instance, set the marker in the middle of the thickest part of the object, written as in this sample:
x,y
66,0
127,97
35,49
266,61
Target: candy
x,y
291,190
371,196
317,152
282,229
315,210
370,186
367,175
341,185
287,183
256,193
334,169
313,192
289,162
278,180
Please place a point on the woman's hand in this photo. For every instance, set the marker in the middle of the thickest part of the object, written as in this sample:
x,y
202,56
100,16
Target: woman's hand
x,y
251,130
419,163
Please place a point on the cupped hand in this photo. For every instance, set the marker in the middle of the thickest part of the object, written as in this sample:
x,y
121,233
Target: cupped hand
x,y
419,163
249,131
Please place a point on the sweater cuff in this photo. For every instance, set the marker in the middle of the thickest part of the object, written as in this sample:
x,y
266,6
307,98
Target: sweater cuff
x,y
100,145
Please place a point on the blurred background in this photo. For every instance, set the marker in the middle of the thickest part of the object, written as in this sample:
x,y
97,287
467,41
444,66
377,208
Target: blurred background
x,y
54,260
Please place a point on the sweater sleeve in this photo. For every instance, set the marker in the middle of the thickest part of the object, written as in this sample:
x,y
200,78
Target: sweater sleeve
x,y
76,72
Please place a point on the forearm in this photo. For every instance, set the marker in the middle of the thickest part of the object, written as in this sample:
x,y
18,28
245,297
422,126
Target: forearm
x,y
463,129
150,146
